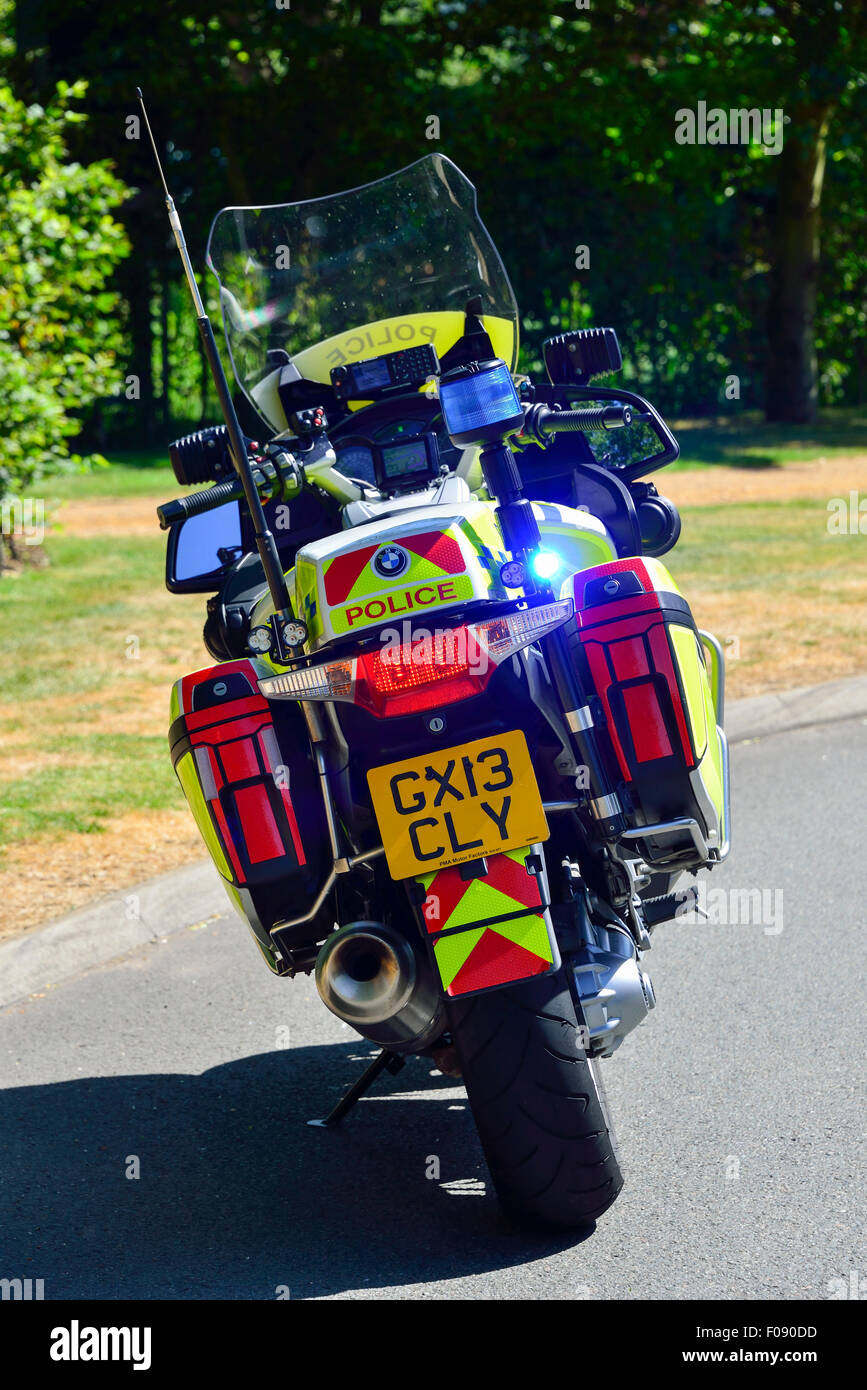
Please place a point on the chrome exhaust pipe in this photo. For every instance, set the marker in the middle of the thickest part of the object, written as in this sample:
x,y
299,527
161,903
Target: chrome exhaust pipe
x,y
370,976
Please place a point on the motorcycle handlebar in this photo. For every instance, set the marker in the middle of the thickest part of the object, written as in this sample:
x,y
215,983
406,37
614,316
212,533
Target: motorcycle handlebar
x,y
181,508
603,417
207,499
539,422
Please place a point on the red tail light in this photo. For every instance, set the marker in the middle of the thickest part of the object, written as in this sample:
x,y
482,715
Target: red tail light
x,y
432,668
439,668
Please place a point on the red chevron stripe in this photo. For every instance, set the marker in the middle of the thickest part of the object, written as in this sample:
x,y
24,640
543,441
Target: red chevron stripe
x,y
496,961
503,874
440,549
512,879
448,887
343,572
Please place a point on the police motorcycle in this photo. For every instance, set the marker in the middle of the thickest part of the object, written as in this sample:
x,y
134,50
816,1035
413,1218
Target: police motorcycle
x,y
461,737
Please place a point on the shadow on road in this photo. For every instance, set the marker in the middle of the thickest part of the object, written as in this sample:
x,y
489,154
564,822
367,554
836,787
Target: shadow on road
x,y
238,1196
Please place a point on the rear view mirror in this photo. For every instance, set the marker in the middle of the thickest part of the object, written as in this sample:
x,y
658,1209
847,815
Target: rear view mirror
x,y
630,452
201,549
619,449
634,451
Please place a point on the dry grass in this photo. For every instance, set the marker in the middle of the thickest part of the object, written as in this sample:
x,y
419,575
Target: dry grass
x,y
804,643
46,877
820,478
95,517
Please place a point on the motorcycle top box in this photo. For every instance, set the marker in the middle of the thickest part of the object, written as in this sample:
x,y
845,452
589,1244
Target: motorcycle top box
x,y
462,736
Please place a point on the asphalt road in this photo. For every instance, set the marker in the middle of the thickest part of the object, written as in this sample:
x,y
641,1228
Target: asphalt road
x,y
737,1106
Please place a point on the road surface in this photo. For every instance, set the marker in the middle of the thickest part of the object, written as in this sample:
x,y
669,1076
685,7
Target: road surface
x,y
737,1106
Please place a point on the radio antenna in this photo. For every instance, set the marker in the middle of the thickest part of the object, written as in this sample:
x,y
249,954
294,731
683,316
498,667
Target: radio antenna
x,y
265,543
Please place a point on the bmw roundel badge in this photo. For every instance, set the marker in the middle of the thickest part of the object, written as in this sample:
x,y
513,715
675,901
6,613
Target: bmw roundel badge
x,y
391,561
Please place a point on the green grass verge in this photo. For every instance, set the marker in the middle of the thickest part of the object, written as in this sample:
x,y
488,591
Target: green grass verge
x,y
748,441
122,772
67,623
144,473
788,599
88,650
772,547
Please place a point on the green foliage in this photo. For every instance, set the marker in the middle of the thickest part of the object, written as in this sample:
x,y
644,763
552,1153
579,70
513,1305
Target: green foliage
x,y
59,323
564,118
681,237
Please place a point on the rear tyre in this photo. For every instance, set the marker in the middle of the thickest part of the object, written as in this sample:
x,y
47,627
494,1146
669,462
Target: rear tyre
x,y
537,1103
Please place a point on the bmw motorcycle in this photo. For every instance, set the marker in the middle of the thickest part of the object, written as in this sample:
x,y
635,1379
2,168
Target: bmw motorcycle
x,y
462,736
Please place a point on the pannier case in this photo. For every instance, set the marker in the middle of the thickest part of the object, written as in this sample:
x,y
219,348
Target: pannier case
x,y
246,772
638,649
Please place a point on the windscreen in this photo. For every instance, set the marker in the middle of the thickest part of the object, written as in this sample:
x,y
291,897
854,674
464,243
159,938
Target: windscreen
x,y
352,276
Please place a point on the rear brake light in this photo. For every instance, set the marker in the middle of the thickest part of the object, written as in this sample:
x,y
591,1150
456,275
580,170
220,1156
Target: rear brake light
x,y
432,668
436,668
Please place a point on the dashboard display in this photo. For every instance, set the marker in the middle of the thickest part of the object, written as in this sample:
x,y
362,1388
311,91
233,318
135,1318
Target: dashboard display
x,y
407,463
371,374
400,459
368,432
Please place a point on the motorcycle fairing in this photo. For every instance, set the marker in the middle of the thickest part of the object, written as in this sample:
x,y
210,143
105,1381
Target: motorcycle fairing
x,y
450,560
492,928
355,274
441,328
579,538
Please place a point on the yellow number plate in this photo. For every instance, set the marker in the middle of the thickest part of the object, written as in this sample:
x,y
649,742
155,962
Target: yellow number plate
x,y
457,804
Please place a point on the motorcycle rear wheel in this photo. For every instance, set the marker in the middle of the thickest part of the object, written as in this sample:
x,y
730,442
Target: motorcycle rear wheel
x,y
538,1103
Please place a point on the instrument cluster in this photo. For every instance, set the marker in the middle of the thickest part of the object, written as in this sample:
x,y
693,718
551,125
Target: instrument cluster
x,y
387,424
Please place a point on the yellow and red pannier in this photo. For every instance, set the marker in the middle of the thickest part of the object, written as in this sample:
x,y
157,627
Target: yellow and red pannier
x,y
246,772
641,655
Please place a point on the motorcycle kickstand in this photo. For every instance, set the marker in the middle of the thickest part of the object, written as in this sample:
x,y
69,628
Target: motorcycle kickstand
x,y
386,1061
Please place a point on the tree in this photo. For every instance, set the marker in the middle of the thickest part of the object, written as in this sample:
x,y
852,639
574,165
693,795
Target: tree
x,y
59,325
826,45
705,257
806,62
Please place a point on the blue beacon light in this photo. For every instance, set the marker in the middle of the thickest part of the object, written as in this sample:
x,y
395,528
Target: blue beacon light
x,y
545,564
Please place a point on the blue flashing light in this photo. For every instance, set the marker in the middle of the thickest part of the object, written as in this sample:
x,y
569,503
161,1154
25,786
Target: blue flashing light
x,y
479,401
545,564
